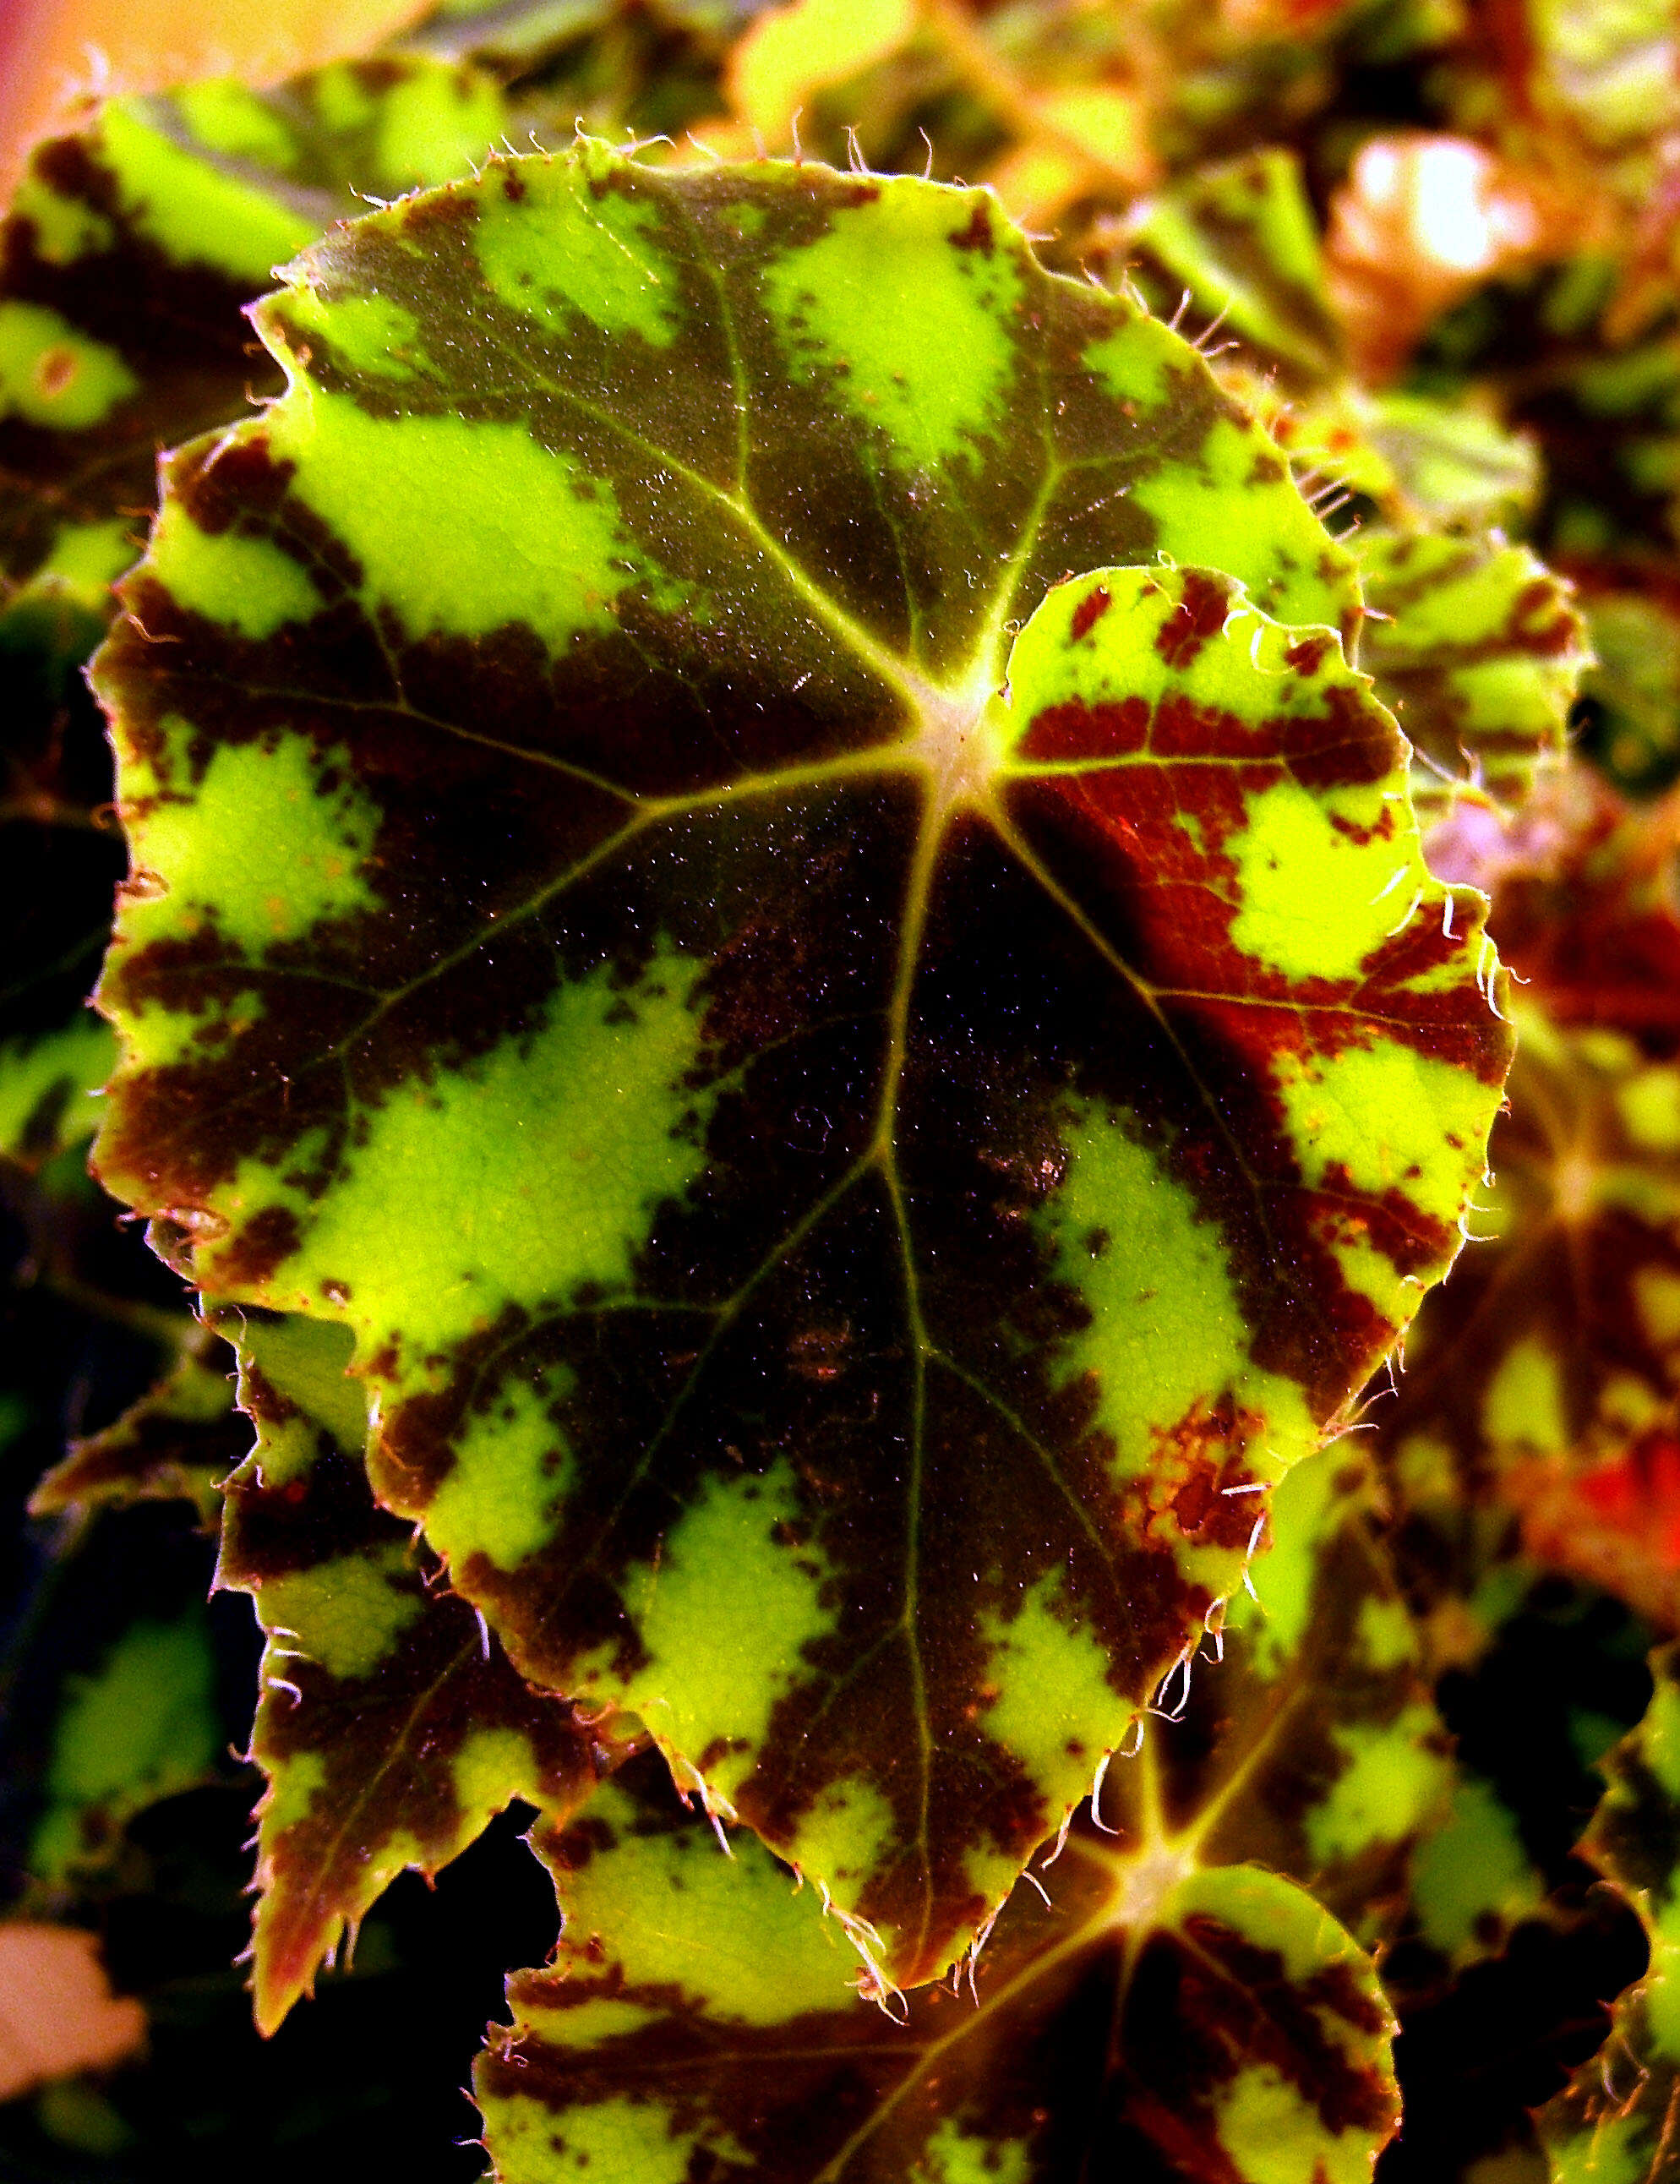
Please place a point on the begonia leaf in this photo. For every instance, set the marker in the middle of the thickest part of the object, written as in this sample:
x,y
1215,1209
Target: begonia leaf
x,y
1620,2117
179,1442
391,1726
1546,1373
1480,656
838,1130
1302,1738
1137,2013
1241,236
131,249
139,1726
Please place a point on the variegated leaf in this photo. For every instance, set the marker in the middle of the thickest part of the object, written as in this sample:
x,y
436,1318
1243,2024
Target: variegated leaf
x,y
391,1726
838,1130
179,1442
1141,2013
130,252
1618,2122
1480,650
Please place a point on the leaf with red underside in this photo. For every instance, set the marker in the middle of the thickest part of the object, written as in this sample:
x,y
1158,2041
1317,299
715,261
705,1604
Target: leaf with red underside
x,y
391,1725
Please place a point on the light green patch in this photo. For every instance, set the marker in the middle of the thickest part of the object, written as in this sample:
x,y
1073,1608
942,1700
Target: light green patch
x,y
897,323
1659,1737
369,334
1141,362
511,1471
1384,1793
1272,1912
562,252
294,1784
537,1167
1355,1110
725,1616
1167,1337
1054,1699
194,213
308,1361
140,1727
65,228
249,584
341,100
1649,1106
845,1834
587,2024
733,1933
1261,531
227,118
54,1075
1474,1865
260,842
952,2156
52,375
346,1613
1274,2136
1313,901
1274,1619
1387,1637
615,2142
531,536
488,1765
1662,1982
435,124
1615,2150
1524,1404
86,557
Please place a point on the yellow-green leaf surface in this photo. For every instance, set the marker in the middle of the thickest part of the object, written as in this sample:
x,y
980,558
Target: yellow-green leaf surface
x,y
846,1090
1618,2121
1480,651
391,1726
1136,2014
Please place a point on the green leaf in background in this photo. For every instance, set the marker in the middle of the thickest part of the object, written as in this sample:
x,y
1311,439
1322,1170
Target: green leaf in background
x,y
130,252
1479,651
1546,1372
1134,2012
391,1726
1241,237
179,1442
139,1727
1616,2122
839,1132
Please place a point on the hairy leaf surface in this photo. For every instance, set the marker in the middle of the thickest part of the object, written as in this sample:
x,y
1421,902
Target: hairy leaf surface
x,y
838,1130
391,1726
1160,1994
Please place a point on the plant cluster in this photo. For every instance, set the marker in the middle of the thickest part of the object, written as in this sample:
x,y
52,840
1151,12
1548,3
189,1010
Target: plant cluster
x,y
892,992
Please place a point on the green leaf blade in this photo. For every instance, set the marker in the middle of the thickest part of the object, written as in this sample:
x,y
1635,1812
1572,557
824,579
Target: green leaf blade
x,y
390,1725
1217,2022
